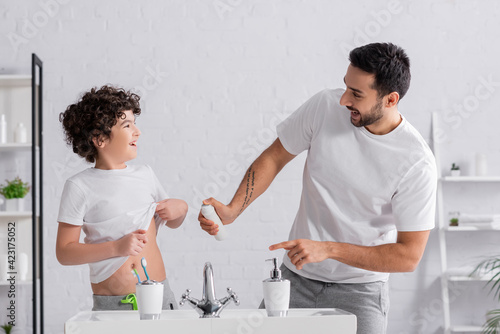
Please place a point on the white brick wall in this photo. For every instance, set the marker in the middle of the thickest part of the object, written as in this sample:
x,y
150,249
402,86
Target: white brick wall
x,y
213,75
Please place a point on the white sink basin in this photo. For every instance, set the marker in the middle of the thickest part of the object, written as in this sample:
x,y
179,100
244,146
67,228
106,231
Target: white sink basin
x,y
187,321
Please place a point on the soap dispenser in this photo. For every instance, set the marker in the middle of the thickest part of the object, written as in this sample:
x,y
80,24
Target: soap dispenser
x,y
276,292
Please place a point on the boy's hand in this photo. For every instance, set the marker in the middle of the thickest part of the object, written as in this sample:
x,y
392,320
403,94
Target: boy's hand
x,y
131,244
173,211
171,208
164,209
224,212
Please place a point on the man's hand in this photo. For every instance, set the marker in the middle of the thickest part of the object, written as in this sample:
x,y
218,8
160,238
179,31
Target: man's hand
x,y
131,244
302,251
225,213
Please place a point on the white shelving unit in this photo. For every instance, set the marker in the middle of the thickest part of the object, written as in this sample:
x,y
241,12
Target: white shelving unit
x,y
453,278
16,214
6,283
21,102
15,80
465,329
447,275
468,229
471,179
15,147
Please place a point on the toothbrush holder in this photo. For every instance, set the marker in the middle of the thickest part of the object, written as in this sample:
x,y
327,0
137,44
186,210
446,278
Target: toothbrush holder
x,y
149,296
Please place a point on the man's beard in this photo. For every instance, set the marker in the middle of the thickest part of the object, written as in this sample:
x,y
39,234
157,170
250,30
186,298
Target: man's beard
x,y
375,114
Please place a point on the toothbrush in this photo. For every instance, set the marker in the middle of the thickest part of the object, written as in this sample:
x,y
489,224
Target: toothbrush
x,y
134,272
144,264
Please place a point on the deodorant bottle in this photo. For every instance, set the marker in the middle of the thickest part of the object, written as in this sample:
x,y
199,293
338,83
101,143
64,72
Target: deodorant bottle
x,y
276,292
208,212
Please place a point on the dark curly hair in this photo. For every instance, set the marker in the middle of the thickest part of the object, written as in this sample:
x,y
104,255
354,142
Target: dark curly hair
x,y
94,115
388,62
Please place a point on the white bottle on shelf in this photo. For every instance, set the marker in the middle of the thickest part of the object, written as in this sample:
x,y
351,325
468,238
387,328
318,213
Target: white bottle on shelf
x,y
23,266
21,134
481,165
3,129
4,267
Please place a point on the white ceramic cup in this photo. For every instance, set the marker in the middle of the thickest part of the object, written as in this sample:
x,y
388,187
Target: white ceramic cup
x,y
149,296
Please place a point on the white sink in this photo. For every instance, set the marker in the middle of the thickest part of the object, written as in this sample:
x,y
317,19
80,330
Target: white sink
x,y
244,321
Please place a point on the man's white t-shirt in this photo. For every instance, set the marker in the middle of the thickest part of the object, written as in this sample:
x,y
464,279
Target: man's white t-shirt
x,y
358,188
110,204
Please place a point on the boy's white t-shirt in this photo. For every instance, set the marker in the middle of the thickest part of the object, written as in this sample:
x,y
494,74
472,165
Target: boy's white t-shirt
x,y
110,204
358,188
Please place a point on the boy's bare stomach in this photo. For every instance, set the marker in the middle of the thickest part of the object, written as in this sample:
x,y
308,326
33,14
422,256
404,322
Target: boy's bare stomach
x,y
122,282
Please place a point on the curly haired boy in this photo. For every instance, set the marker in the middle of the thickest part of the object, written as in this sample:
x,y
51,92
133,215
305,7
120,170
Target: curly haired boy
x,y
119,207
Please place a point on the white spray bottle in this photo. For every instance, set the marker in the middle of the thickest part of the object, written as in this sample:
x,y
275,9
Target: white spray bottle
x,y
208,212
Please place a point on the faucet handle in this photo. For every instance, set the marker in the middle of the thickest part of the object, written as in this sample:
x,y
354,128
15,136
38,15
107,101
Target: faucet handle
x,y
185,296
233,296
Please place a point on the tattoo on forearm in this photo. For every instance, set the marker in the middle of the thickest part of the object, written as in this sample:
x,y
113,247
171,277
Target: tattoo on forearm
x,y
250,178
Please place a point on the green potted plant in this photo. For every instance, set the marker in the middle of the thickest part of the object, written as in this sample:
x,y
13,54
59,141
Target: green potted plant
x,y
7,328
454,221
454,218
491,266
14,192
455,170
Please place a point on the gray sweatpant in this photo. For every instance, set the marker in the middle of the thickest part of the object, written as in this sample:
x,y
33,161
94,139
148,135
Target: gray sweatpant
x,y
113,303
368,301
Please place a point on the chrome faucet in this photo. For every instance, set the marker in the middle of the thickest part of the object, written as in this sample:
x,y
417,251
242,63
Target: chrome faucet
x,y
209,306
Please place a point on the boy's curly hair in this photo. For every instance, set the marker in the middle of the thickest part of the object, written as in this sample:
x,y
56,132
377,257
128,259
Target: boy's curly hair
x,y
94,115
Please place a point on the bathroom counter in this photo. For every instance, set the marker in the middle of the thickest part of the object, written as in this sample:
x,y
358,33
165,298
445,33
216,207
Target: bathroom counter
x,y
186,321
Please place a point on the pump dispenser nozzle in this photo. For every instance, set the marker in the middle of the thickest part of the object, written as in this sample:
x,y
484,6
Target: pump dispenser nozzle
x,y
276,272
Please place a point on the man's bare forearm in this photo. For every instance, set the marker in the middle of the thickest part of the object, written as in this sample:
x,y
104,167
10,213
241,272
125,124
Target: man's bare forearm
x,y
401,256
389,258
259,176
244,194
